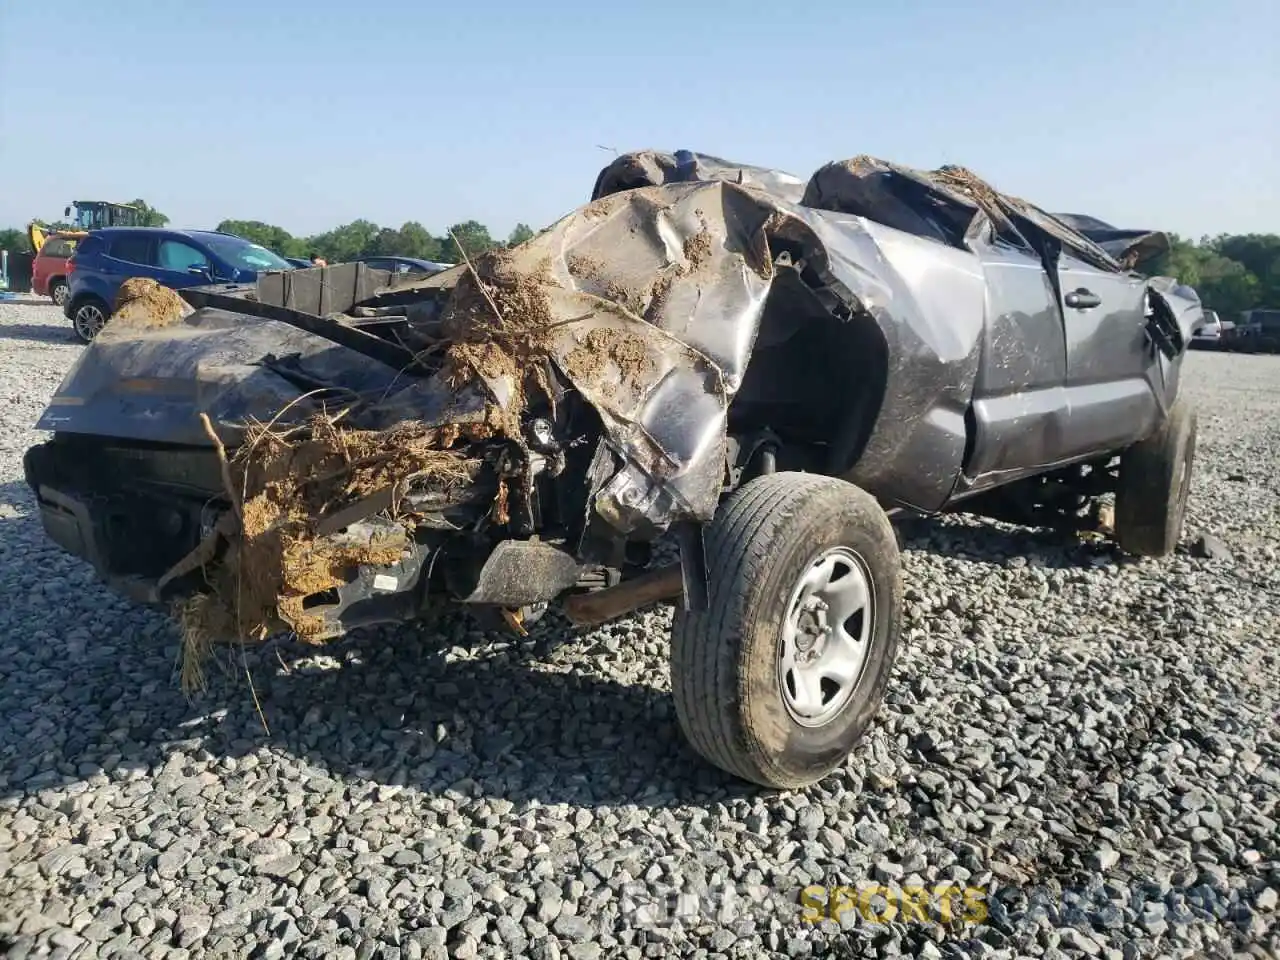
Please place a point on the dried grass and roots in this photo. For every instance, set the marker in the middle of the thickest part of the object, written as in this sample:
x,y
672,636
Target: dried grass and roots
x,y
500,326
284,481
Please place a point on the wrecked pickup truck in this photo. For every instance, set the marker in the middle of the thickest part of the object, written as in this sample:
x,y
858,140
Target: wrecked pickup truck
x,y
758,369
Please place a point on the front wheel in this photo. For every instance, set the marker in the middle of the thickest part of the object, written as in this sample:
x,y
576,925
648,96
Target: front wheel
x,y
1155,480
777,680
88,318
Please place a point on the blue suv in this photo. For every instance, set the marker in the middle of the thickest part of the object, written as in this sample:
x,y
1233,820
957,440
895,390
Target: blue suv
x,y
175,258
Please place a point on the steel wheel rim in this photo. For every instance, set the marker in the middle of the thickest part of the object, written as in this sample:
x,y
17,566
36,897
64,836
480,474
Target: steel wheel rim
x,y
89,321
825,640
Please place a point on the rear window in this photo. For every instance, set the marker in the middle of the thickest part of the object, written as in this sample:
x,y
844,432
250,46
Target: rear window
x,y
132,249
90,246
58,247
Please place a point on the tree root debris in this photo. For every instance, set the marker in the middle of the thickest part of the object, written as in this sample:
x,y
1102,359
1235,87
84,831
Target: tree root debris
x,y
499,322
289,481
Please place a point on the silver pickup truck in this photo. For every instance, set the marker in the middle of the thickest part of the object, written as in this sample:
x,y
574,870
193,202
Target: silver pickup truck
x,y
758,368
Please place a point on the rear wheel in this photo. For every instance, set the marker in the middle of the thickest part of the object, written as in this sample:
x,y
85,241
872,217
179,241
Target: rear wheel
x,y
777,680
88,317
58,290
1155,480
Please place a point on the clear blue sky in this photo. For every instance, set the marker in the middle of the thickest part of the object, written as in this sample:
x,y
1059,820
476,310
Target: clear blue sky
x,y
1153,113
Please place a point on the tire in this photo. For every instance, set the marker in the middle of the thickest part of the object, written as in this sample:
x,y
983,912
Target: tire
x,y
58,291
82,321
736,698
1155,480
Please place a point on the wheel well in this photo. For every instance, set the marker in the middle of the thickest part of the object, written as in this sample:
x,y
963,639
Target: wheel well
x,y
86,298
815,380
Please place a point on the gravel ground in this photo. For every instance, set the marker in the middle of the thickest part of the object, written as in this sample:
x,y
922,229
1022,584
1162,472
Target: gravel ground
x,y
1091,742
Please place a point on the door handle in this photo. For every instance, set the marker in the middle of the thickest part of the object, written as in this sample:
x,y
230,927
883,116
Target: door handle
x,y
1082,299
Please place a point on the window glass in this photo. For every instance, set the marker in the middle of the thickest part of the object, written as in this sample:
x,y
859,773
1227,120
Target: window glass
x,y
244,255
59,247
132,249
90,247
179,256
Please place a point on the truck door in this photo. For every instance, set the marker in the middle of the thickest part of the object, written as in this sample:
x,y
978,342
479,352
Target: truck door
x,y
1109,357
1019,403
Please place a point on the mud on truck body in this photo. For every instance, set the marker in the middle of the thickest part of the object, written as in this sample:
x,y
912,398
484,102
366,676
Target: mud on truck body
x,y
760,368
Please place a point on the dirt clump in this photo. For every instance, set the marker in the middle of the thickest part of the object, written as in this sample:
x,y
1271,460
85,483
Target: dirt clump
x,y
697,247
143,304
660,292
499,321
604,207
629,300
698,251
287,482
589,359
314,566
587,267
584,267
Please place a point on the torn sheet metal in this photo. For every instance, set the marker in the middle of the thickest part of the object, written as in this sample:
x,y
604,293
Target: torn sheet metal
x,y
1181,308
951,205
648,302
653,298
926,301
1132,248
657,295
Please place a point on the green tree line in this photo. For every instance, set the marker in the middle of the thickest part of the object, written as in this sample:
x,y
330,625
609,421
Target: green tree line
x,y
1231,272
360,238
364,238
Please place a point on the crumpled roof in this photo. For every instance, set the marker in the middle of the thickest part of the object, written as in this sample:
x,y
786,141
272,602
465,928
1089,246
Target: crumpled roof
x,y
1130,247
652,168
948,204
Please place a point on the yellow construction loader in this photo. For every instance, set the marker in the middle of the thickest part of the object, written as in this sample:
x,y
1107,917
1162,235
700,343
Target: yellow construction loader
x,y
89,215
